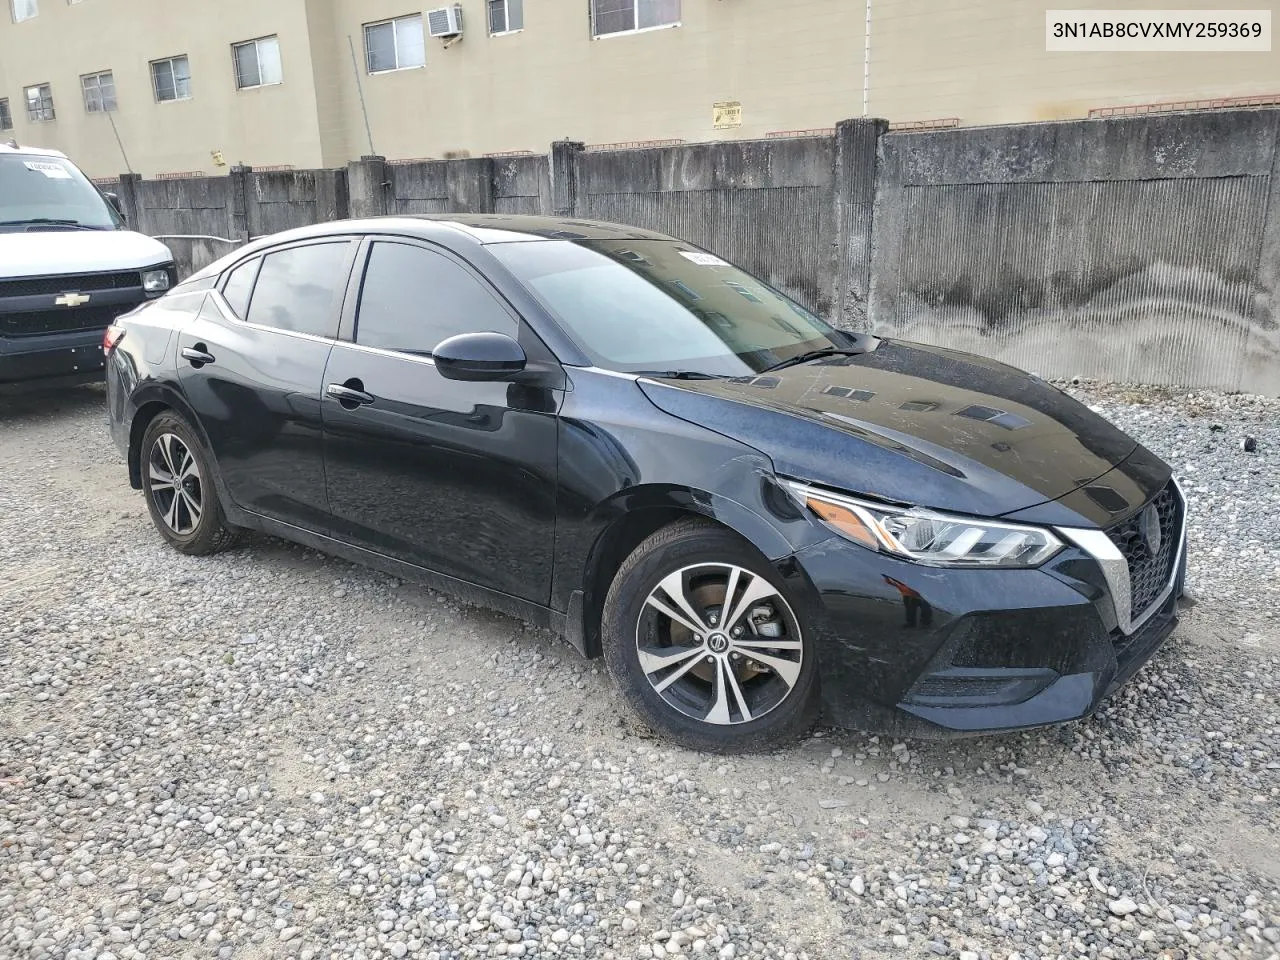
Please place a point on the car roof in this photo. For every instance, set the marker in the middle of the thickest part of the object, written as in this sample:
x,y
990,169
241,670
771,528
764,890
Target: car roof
x,y
497,228
456,230
474,227
12,147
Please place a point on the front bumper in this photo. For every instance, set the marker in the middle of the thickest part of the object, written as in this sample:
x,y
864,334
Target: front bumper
x,y
57,357
928,652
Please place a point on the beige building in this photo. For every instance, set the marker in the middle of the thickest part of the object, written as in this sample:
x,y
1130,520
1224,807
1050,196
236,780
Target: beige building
x,y
185,87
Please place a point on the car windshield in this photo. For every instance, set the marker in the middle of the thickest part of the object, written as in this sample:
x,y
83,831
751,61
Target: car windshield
x,y
37,191
664,306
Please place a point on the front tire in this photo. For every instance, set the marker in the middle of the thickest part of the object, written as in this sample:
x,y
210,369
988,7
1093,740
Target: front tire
x,y
177,480
705,643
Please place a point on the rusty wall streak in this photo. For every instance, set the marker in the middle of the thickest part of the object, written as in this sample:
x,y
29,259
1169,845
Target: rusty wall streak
x,y
1125,280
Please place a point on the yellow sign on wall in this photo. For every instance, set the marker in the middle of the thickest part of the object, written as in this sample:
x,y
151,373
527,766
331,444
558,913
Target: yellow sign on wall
x,y
726,114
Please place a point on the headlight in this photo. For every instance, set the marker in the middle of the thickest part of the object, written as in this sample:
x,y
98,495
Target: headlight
x,y
937,539
155,281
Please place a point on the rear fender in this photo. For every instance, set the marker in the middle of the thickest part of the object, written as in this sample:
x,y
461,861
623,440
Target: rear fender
x,y
145,404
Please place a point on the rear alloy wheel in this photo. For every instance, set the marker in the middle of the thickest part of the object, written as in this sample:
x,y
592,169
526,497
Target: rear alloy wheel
x,y
175,484
178,482
704,642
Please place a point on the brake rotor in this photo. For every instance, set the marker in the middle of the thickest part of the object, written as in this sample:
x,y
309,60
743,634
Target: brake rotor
x,y
708,598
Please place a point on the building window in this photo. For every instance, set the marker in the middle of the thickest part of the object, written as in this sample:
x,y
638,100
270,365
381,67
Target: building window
x,y
39,103
395,44
23,9
171,79
99,92
6,118
627,16
258,63
506,16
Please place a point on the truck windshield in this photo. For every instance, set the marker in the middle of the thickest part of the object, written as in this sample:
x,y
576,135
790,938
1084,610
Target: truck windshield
x,y
48,192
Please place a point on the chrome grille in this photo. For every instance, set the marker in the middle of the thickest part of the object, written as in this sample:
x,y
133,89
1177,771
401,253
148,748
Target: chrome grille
x,y
1150,571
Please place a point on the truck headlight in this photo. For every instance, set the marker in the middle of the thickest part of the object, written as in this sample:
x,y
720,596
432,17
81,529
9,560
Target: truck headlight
x,y
926,536
155,281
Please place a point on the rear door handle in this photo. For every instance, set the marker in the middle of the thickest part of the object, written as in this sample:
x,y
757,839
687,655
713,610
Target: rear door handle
x,y
198,355
349,396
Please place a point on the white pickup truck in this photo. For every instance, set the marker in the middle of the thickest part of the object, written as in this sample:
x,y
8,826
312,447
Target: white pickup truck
x,y
68,267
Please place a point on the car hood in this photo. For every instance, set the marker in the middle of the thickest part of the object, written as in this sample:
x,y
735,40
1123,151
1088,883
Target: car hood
x,y
912,424
43,253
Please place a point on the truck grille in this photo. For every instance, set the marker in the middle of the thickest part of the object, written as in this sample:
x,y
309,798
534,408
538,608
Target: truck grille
x,y
61,320
53,286
1150,572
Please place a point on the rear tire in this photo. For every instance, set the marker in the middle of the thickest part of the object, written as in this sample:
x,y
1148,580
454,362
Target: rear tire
x,y
182,498
734,670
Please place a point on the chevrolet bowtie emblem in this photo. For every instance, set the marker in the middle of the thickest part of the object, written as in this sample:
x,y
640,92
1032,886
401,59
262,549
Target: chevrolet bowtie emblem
x,y
72,299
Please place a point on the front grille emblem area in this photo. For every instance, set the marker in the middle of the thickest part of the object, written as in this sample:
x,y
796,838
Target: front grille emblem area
x,y
72,300
1151,534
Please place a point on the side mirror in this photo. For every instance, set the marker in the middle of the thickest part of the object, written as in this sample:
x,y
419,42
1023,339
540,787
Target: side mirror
x,y
114,200
479,356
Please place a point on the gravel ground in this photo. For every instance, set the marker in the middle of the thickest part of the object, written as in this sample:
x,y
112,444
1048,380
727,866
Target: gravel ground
x,y
275,754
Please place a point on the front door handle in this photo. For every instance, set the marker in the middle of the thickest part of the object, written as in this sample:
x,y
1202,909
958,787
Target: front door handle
x,y
351,394
199,355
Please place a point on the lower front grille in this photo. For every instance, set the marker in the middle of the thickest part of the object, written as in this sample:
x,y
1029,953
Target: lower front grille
x,y
1148,541
41,322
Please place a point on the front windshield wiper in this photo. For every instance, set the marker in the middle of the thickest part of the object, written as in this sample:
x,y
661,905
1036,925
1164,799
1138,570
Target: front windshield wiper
x,y
814,355
678,374
47,221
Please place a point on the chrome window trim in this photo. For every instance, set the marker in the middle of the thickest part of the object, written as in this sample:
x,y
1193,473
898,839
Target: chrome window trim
x,y
1115,568
384,352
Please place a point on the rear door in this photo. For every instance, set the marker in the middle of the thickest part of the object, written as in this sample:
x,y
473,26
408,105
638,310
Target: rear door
x,y
456,477
251,366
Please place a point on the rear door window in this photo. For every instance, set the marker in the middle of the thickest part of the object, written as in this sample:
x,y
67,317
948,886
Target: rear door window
x,y
300,289
412,299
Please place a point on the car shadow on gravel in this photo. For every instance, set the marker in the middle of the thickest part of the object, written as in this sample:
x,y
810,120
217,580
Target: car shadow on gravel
x,y
38,404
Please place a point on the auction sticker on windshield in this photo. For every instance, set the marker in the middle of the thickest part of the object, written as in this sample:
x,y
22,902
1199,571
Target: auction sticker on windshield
x,y
53,171
703,259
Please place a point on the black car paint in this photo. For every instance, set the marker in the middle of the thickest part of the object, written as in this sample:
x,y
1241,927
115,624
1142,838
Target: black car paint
x,y
522,496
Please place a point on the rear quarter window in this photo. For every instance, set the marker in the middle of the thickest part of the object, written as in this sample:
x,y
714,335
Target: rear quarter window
x,y
298,289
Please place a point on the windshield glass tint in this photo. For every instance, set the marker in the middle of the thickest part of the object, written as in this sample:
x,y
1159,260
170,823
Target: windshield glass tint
x,y
660,305
49,188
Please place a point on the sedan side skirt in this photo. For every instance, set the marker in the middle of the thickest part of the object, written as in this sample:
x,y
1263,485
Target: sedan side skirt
x,y
462,590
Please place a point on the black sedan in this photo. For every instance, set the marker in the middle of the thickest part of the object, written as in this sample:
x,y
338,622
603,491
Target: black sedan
x,y
748,513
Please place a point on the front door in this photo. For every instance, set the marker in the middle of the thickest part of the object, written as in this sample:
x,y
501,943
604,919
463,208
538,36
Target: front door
x,y
455,477
252,365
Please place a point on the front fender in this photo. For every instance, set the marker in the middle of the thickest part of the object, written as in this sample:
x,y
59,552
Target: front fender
x,y
770,521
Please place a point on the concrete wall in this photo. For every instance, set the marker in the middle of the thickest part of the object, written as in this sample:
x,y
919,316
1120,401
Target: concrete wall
x,y
204,218
1138,249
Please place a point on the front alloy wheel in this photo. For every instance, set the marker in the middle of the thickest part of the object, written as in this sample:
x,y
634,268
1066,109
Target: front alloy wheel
x,y
719,643
705,643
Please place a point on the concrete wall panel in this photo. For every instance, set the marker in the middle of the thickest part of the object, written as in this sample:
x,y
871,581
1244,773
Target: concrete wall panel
x,y
1124,250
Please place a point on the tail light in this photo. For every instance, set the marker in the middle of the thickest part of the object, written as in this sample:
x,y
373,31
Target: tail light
x,y
111,338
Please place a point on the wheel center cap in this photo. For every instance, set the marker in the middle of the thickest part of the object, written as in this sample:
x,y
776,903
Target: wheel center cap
x,y
717,643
